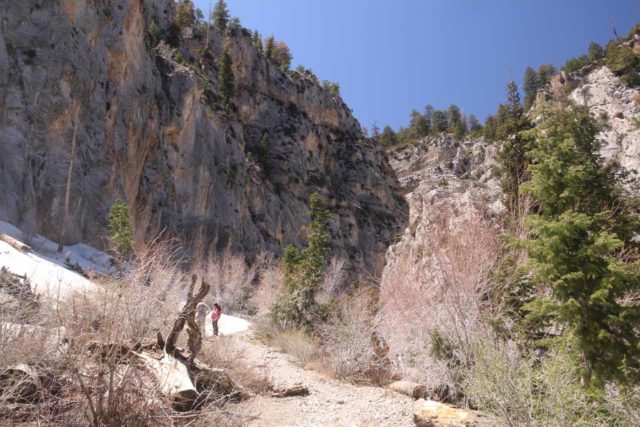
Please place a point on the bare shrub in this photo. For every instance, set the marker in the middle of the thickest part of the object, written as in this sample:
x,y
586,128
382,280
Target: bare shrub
x,y
434,297
349,345
223,353
231,280
266,292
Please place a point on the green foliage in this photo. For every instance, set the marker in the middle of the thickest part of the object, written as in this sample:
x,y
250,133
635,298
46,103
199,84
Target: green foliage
x,y
530,84
532,391
595,51
220,16
154,33
575,241
263,154
439,121
269,47
333,88
304,273
185,14
388,137
173,35
575,64
120,229
257,42
510,121
625,63
226,79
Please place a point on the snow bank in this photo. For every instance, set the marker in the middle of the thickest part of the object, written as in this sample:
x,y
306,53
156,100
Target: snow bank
x,y
87,257
45,266
227,325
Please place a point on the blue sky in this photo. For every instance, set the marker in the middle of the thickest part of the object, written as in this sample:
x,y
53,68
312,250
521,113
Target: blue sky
x,y
390,56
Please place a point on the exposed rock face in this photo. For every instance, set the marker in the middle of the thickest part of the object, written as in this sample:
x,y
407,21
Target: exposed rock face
x,y
444,171
427,413
154,132
608,98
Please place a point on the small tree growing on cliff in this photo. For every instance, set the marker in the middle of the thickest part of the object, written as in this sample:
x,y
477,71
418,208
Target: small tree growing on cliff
x,y
226,79
220,15
304,272
120,229
185,14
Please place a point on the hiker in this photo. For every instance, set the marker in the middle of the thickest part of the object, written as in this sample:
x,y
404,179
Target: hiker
x,y
201,315
215,316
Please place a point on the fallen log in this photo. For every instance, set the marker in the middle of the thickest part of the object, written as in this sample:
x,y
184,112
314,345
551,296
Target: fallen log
x,y
295,390
408,388
17,244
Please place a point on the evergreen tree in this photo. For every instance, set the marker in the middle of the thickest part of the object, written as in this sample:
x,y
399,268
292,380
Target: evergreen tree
x,y
388,137
490,128
263,153
462,128
530,86
304,272
226,78
220,15
474,124
282,56
185,14
439,121
595,51
580,246
269,47
510,122
120,229
257,42
453,118
545,72
428,115
418,124
375,131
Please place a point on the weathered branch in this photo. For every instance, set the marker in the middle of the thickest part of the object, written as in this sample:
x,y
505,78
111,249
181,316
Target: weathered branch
x,y
187,316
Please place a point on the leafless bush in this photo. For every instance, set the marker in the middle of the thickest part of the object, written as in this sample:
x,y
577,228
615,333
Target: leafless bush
x,y
350,347
231,279
266,292
224,353
434,297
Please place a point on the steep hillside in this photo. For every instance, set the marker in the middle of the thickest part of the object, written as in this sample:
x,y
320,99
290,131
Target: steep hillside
x,y
88,93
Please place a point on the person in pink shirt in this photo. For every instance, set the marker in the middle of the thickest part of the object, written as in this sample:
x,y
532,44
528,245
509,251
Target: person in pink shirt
x,y
215,316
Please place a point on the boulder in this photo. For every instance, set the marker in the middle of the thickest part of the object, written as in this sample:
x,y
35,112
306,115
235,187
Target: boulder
x,y
410,389
429,413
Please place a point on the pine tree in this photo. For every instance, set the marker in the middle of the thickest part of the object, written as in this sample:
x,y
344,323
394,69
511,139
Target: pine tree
x,y
530,86
304,272
269,47
580,246
185,14
282,56
595,51
439,121
120,229
220,15
474,124
226,78
388,137
257,42
375,131
511,121
453,118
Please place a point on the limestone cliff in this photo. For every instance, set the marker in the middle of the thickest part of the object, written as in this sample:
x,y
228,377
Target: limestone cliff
x,y
87,92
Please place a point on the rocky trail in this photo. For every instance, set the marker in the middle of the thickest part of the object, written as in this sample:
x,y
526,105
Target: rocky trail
x,y
329,403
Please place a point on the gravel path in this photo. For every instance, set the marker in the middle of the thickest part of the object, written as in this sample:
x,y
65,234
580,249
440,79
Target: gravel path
x,y
329,403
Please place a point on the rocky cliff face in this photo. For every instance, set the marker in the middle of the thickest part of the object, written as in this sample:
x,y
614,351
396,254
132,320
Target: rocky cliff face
x,y
86,93
445,179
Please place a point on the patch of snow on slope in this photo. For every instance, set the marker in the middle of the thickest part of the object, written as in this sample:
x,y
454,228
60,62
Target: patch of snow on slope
x,y
227,325
45,267
87,257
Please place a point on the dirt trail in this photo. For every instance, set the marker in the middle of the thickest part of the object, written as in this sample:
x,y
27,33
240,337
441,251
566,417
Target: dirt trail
x,y
329,403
